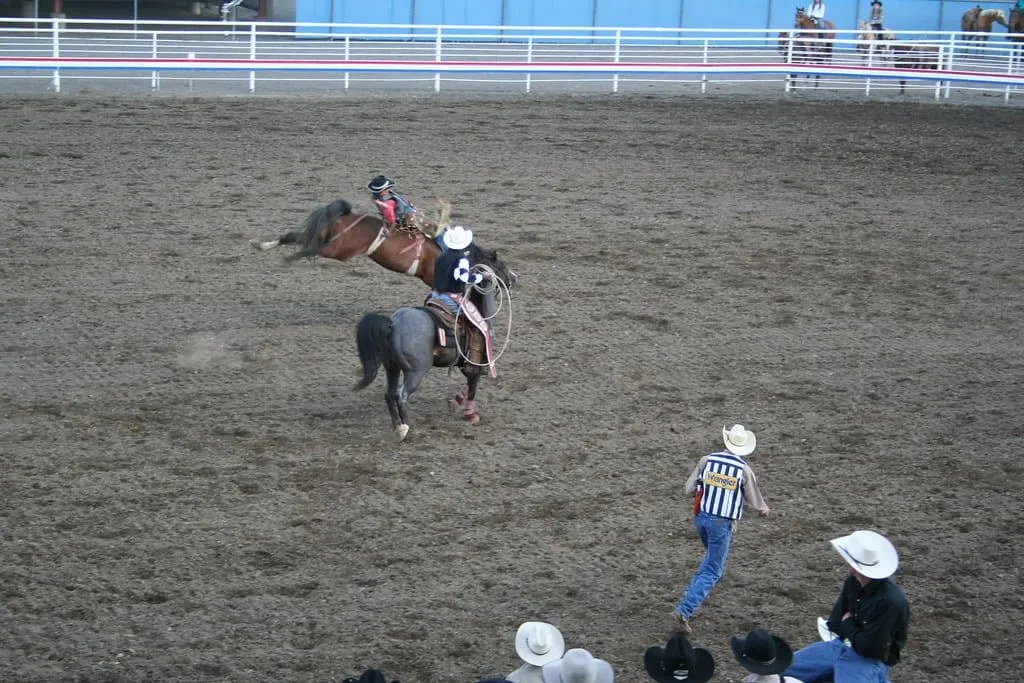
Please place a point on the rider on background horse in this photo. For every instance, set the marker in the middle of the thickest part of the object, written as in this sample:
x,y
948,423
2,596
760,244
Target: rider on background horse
x,y
398,211
817,13
877,17
453,273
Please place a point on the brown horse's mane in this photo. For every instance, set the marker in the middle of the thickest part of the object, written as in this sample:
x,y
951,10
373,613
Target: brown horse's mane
x,y
315,228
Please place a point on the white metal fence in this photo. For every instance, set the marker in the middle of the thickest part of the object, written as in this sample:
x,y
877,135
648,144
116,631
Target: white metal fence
x,y
274,57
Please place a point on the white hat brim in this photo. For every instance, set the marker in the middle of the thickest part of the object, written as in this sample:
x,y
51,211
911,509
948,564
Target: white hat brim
x,y
457,239
888,559
824,631
745,449
531,657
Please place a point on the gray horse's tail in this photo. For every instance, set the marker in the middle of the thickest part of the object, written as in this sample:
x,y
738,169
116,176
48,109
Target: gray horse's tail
x,y
373,339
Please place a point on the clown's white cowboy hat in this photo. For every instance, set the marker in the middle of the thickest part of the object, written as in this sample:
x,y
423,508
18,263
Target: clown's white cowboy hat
x,y
578,666
738,440
457,237
868,552
538,643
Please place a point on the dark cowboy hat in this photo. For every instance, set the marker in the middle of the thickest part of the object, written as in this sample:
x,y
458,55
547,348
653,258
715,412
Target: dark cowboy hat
x,y
679,661
368,676
762,653
380,183
876,2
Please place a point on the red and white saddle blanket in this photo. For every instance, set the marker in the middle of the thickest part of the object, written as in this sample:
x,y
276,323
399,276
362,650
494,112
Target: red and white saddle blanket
x,y
474,316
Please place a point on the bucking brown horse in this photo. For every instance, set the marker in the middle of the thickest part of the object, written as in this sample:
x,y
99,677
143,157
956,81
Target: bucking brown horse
x,y
335,231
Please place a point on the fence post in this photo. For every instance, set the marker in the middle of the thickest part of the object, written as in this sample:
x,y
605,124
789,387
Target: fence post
x,y
871,54
618,58
939,61
704,76
154,82
252,56
789,60
437,58
529,60
56,53
949,60
348,56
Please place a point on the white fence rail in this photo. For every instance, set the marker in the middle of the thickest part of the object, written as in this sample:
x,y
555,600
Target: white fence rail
x,y
289,56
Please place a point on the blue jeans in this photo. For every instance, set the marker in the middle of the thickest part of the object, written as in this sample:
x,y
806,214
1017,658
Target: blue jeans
x,y
827,661
715,534
448,302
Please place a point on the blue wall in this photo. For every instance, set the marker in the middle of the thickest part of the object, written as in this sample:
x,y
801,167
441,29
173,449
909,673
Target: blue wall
x,y
900,15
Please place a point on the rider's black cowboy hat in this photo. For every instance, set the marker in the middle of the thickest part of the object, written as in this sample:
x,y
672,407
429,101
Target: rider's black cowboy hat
x,y
380,183
876,2
679,661
762,653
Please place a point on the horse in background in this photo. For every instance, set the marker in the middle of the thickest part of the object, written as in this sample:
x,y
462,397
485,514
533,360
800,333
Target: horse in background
x,y
914,56
869,40
977,23
1016,27
409,342
809,44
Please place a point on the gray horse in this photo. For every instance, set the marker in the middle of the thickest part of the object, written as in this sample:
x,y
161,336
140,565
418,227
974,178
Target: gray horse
x,y
404,344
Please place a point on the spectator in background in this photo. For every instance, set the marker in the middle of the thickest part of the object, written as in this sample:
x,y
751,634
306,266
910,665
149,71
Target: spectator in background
x,y
765,655
578,666
679,661
871,613
721,482
537,643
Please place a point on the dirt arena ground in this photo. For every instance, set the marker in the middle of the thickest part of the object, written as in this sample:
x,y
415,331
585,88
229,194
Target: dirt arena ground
x,y
192,492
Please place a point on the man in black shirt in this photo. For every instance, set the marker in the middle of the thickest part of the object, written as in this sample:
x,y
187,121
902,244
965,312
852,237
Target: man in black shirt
x,y
870,618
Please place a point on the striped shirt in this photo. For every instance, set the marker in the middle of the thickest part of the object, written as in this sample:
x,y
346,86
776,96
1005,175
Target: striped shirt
x,y
727,482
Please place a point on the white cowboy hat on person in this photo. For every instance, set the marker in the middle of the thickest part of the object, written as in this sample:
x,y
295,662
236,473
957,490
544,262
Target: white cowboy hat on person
x,y
457,237
738,440
869,553
538,643
578,666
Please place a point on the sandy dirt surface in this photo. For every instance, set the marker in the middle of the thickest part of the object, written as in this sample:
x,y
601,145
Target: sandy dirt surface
x,y
192,492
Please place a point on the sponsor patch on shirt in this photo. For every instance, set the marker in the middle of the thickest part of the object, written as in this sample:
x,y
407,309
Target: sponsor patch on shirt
x,y
722,481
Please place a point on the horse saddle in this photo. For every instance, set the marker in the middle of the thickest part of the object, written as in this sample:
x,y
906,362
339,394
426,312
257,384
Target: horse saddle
x,y
454,334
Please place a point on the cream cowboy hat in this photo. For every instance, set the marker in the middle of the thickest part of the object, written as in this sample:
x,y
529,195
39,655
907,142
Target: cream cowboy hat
x,y
869,552
578,666
538,643
738,440
457,237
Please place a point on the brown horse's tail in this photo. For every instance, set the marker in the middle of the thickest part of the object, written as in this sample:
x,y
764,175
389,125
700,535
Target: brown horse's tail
x,y
315,227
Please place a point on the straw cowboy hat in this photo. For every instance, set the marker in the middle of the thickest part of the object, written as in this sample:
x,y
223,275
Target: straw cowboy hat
x,y
762,653
457,237
868,552
738,440
538,643
679,661
578,666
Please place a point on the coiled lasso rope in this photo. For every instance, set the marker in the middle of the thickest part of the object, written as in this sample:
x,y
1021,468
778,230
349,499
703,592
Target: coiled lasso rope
x,y
491,284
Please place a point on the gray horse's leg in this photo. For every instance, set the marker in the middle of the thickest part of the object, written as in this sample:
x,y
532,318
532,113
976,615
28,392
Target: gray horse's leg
x,y
392,396
412,339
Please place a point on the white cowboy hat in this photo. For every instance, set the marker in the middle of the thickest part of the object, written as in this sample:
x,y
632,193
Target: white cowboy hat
x,y
457,237
869,552
738,440
578,666
538,643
